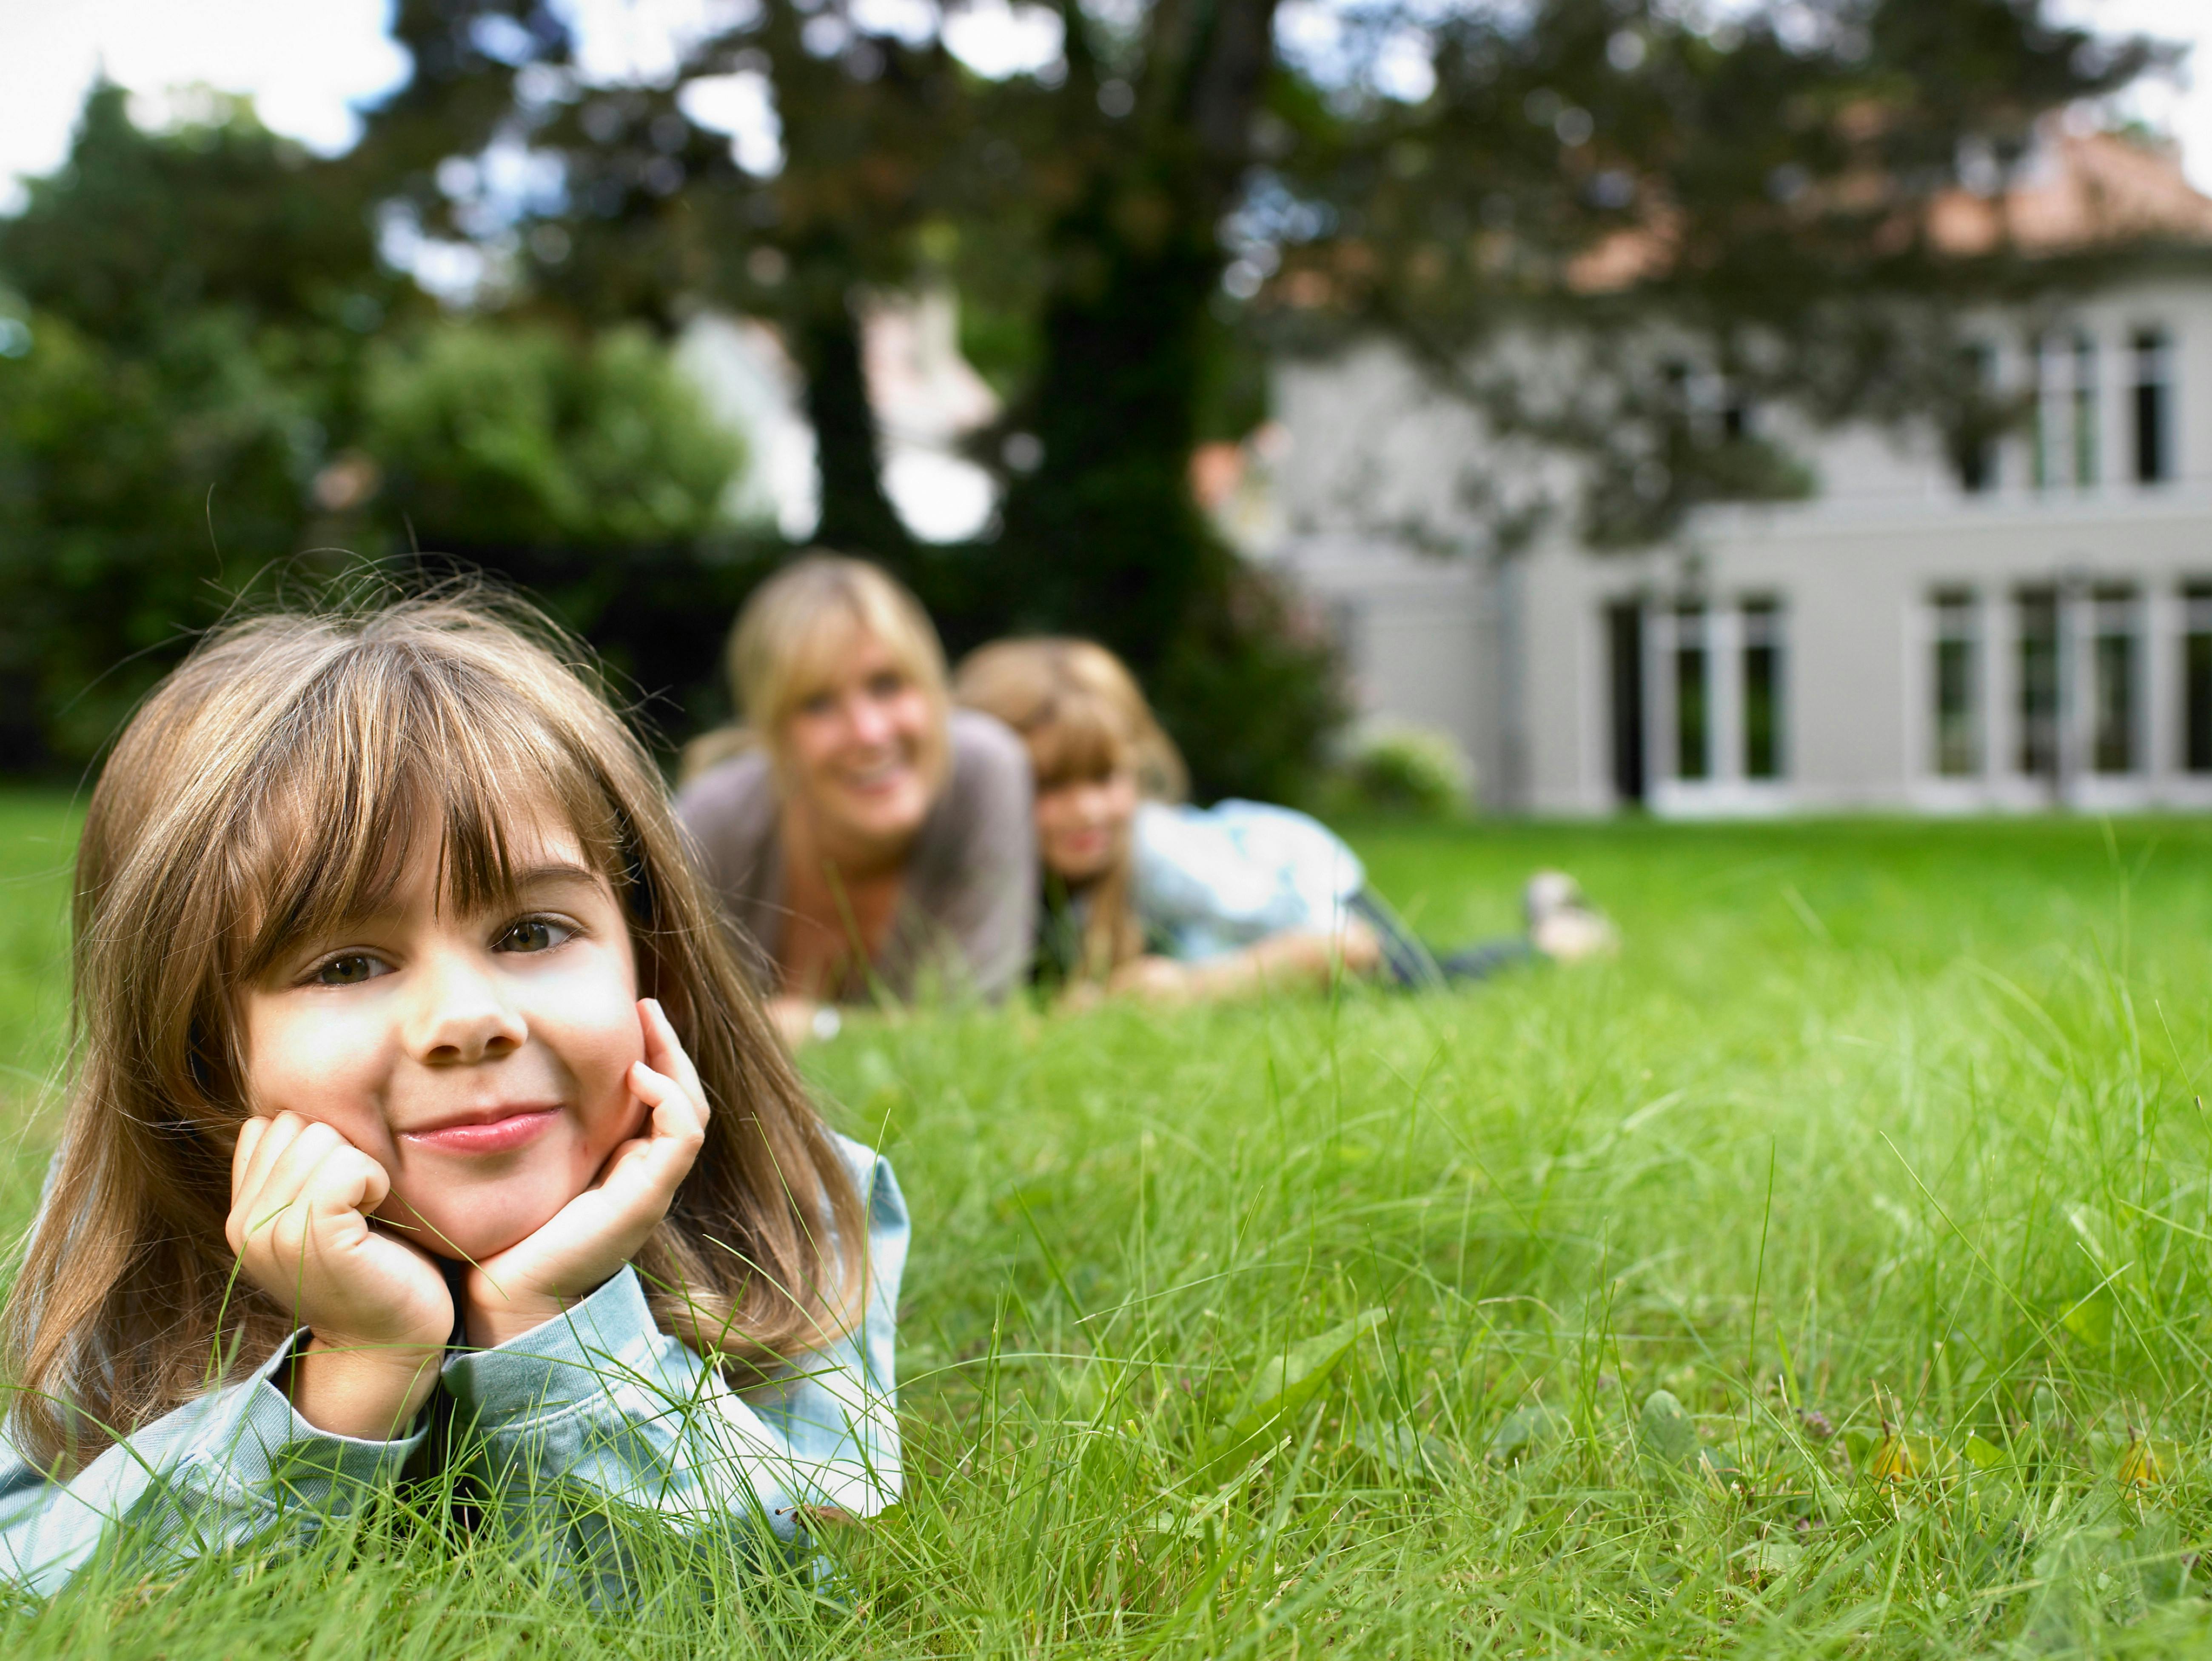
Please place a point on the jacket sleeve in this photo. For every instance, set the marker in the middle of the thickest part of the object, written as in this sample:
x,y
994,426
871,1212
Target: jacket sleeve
x,y
236,1466
599,1410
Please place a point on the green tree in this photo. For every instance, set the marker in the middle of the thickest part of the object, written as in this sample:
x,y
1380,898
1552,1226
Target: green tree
x,y
583,469
489,435
210,385
139,493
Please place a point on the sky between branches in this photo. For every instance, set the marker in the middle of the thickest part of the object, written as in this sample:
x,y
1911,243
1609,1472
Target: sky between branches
x,y
306,66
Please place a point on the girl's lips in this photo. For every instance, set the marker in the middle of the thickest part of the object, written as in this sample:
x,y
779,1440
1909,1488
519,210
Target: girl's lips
x,y
488,1136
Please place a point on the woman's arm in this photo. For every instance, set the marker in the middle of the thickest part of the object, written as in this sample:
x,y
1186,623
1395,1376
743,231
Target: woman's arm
x,y
236,1466
1291,960
598,1406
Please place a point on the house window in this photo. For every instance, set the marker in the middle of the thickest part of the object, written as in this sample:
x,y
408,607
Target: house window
x,y
2197,677
1735,416
2112,738
2084,390
2153,406
2038,681
1762,688
2065,438
1957,687
1692,746
1974,448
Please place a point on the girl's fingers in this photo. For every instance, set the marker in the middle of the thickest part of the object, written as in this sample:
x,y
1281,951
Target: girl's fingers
x,y
301,1170
345,1180
272,1137
665,1053
288,1172
676,1112
241,1154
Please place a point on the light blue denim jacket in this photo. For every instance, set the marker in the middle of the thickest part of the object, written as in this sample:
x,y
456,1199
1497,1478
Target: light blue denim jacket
x,y
599,1404
1207,881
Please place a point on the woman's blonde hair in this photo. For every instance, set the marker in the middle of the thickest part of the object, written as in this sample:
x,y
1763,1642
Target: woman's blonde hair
x,y
277,782
1084,717
791,637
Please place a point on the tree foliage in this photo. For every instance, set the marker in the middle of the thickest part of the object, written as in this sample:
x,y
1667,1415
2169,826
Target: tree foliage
x,y
1188,180
1188,189
209,386
500,434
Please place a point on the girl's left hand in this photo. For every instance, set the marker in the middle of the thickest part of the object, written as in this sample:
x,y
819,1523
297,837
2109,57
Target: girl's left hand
x,y
589,1239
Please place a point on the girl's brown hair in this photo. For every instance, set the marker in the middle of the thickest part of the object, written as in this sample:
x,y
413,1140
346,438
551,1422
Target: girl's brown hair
x,y
278,783
1084,717
789,640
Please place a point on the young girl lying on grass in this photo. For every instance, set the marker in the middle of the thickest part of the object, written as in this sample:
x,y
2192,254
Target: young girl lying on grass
x,y
422,1122
1178,904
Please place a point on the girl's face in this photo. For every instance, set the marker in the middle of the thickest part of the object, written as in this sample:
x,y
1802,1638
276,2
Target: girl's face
x,y
1082,825
861,746
481,1058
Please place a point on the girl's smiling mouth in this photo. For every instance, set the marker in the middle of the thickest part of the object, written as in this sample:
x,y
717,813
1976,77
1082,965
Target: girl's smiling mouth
x,y
500,1131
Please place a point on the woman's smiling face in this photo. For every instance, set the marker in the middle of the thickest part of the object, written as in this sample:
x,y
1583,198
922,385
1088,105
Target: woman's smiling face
x,y
863,748
481,1057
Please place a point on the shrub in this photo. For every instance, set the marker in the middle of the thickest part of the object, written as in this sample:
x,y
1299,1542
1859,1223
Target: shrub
x,y
491,434
1251,690
1400,768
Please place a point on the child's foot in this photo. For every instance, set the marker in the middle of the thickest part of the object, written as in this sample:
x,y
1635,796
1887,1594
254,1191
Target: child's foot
x,y
1562,925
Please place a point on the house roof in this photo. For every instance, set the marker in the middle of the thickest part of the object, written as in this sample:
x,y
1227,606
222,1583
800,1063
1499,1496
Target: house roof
x,y
2078,193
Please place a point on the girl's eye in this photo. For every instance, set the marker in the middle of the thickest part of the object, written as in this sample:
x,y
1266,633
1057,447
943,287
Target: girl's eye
x,y
349,969
817,706
887,684
534,934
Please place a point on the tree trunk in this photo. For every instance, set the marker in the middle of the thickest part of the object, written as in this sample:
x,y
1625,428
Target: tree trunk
x,y
857,516
1106,533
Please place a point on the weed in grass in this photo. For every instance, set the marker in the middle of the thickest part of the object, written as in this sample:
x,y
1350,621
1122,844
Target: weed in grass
x,y
1826,1276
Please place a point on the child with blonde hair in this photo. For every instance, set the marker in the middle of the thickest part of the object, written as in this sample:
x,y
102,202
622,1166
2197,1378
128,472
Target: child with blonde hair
x,y
1146,896
415,1083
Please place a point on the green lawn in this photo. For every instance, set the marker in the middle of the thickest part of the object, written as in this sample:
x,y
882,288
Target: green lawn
x,y
1869,1121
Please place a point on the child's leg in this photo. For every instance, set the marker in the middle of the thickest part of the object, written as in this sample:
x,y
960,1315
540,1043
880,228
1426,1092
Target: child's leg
x,y
1406,961
1484,958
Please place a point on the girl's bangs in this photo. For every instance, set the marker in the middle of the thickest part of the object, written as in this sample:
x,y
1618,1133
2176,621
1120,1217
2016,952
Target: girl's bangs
x,y
1078,741
377,758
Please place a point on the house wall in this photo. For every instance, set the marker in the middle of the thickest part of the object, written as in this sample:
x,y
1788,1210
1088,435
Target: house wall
x,y
1511,656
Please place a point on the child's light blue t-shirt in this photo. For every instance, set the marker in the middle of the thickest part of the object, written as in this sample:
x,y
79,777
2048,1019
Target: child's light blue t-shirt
x,y
1208,881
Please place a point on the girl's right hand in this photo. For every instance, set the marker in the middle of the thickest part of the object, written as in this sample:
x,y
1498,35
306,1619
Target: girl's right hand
x,y
376,1308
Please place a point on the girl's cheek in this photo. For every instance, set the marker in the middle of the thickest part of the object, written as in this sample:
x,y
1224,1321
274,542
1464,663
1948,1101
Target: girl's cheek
x,y
319,1068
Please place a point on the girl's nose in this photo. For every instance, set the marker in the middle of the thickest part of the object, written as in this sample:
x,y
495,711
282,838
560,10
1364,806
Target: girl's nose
x,y
461,1017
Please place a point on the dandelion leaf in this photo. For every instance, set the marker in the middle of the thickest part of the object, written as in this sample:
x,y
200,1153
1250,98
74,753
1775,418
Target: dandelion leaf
x,y
2091,1320
1525,1431
1283,1388
1665,1430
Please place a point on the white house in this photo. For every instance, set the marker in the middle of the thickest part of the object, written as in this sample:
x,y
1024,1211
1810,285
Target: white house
x,y
2038,633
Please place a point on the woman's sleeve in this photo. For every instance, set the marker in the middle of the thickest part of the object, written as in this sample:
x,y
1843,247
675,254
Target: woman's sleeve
x,y
237,1466
600,1411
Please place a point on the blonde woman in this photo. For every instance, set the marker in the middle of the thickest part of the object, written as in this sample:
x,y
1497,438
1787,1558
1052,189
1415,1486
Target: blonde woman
x,y
1176,903
866,840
